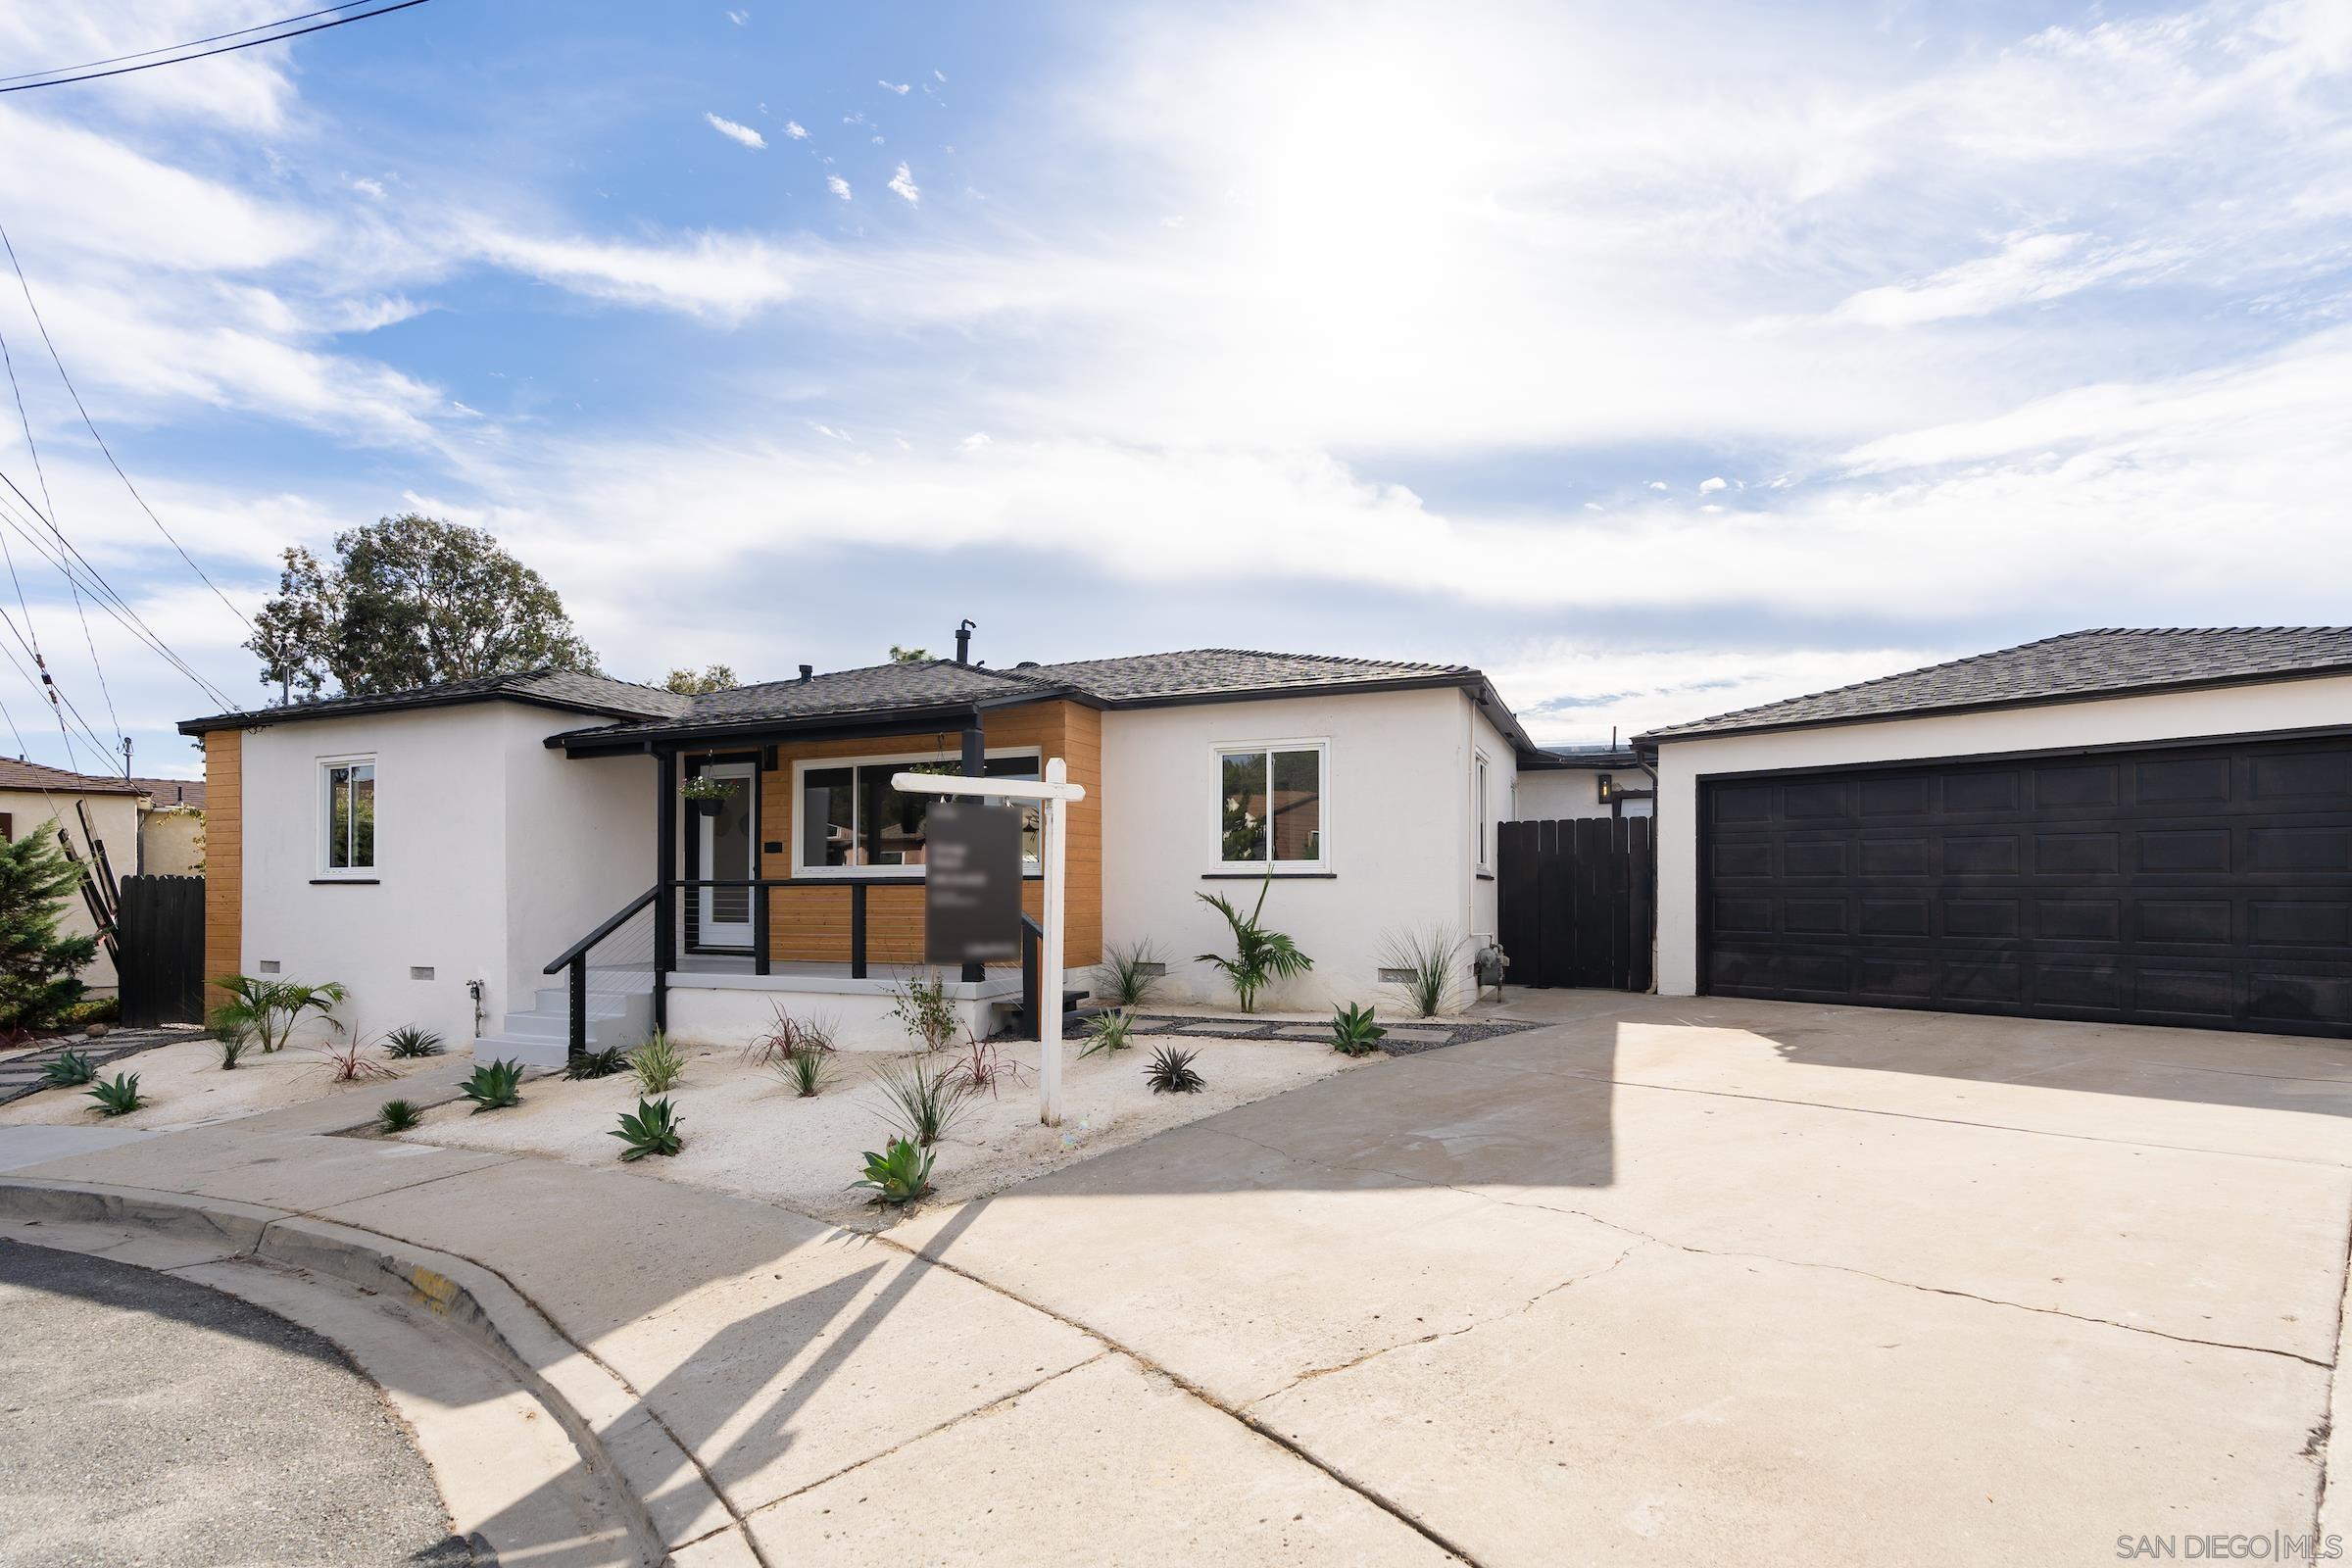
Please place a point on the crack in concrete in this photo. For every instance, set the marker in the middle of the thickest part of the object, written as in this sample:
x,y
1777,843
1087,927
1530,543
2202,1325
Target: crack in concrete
x,y
1786,1262
2317,1446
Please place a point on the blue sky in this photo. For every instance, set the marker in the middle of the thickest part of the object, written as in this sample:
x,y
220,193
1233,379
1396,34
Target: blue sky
x,y
1656,360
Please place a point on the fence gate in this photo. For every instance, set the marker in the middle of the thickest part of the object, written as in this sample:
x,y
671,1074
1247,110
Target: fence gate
x,y
161,935
1576,902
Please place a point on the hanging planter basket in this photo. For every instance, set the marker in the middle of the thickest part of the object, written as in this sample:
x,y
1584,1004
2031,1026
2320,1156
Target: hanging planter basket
x,y
706,795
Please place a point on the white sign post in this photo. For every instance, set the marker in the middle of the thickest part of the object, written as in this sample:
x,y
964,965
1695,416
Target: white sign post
x,y
1052,797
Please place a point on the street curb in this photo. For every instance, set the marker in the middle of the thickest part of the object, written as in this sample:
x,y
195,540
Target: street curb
x,y
669,1501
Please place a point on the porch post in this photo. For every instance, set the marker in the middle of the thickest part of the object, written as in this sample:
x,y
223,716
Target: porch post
x,y
1054,830
975,765
665,877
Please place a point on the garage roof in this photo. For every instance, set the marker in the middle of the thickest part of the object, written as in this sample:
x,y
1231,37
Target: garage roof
x,y
2105,662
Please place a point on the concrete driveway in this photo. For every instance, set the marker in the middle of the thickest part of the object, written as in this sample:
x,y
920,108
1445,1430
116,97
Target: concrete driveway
x,y
1744,1282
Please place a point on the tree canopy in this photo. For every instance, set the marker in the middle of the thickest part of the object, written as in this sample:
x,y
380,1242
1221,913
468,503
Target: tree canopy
x,y
410,600
38,961
714,678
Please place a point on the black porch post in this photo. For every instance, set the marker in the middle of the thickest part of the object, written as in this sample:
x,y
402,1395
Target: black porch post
x,y
666,879
975,765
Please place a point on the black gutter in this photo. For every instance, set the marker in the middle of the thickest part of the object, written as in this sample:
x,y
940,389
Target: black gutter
x,y
635,738
299,712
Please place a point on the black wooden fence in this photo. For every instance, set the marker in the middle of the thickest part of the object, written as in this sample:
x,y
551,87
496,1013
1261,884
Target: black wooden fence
x,y
1576,902
160,951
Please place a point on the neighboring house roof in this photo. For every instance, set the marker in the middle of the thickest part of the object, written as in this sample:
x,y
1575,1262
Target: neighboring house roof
x,y
2073,667
16,773
562,689
173,790
1600,759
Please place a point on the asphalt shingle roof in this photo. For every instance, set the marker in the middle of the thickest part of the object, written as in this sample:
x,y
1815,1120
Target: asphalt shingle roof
x,y
873,689
173,790
1226,672
2077,664
546,688
17,775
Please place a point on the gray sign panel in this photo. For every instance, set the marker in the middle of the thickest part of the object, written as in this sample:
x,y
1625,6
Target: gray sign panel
x,y
971,883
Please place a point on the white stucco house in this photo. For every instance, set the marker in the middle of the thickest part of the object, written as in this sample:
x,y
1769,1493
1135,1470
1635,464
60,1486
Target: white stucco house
x,y
2141,826
437,849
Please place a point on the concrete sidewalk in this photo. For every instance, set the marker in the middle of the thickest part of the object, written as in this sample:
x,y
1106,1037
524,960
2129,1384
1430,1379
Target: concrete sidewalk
x,y
779,1390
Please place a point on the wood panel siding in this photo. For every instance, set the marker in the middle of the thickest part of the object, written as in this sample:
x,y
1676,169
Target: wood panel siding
x,y
812,924
223,853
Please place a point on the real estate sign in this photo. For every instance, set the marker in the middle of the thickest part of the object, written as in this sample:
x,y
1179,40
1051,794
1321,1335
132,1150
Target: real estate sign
x,y
972,883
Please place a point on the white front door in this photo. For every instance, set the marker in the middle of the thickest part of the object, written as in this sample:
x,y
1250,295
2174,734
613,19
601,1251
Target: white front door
x,y
730,840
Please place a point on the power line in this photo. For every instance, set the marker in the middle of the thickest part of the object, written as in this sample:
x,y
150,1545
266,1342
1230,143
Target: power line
x,y
175,59
239,32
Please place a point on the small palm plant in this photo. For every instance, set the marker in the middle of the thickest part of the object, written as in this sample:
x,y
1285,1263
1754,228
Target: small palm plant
x,y
1108,1035
654,1130
900,1174
268,1011
657,1066
494,1086
120,1098
1172,1073
1261,958
397,1115
1353,1033
71,1070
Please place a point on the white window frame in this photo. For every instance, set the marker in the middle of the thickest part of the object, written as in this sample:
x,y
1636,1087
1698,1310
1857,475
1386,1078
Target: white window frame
x,y
1480,811
801,766
1320,744
323,797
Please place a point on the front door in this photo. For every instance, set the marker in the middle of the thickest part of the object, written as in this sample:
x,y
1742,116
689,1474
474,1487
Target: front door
x,y
728,837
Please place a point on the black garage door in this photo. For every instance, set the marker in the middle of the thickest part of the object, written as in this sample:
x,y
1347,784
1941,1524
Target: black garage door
x,y
2210,887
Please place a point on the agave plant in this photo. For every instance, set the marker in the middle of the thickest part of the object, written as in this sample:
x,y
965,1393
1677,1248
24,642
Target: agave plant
x,y
657,1065
119,1097
1128,976
1261,958
900,1174
1171,1072
397,1115
69,1070
268,1011
1108,1035
598,1063
494,1086
654,1130
1353,1033
410,1041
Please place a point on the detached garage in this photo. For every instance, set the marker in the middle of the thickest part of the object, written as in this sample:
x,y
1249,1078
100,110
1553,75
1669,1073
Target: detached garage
x,y
2129,826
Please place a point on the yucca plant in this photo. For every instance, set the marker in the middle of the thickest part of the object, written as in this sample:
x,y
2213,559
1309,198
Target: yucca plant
x,y
410,1041
1171,1072
657,1066
397,1115
1353,1033
268,1011
494,1086
598,1063
1108,1035
808,1070
654,1130
1128,976
923,1102
233,1049
71,1070
900,1174
1261,958
1422,964
119,1097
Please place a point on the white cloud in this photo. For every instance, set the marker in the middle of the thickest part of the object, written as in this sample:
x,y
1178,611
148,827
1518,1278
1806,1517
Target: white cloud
x,y
734,133
373,189
2029,269
838,186
1710,486
900,87
739,17
902,182
973,442
794,129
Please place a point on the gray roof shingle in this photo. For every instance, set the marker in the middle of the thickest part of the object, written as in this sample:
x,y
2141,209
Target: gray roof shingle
x,y
16,773
1227,671
544,688
873,689
2072,667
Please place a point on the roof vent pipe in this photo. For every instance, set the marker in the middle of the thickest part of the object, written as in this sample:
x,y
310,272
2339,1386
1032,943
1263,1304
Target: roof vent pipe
x,y
964,642
807,671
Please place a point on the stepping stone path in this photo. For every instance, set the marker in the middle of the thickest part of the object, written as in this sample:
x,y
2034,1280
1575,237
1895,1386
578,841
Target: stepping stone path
x,y
1402,1040
21,1073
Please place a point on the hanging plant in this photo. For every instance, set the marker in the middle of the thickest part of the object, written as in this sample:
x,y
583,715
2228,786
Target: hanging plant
x,y
707,794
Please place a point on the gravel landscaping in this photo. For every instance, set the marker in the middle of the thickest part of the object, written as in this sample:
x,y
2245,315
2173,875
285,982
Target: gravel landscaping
x,y
184,1085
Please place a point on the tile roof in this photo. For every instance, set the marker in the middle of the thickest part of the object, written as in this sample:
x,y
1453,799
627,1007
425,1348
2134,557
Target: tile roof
x,y
2072,667
545,688
16,773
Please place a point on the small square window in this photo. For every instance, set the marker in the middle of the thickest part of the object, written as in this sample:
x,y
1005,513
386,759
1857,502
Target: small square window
x,y
1270,806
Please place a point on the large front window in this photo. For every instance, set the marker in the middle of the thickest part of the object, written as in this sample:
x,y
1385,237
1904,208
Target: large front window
x,y
349,817
1270,806
850,816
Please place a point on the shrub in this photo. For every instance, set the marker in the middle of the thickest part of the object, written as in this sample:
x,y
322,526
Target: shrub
x,y
348,1067
1353,1033
71,1069
654,1130
1171,1072
38,963
1426,961
1128,976
598,1063
268,1011
923,1005
1261,958
979,1068
410,1041
921,1101
494,1086
233,1049
89,1010
397,1115
900,1174
1108,1035
808,1070
774,1047
119,1097
657,1066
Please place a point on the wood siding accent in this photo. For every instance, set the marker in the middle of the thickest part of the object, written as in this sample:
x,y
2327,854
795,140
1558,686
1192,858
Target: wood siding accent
x,y
223,853
812,924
